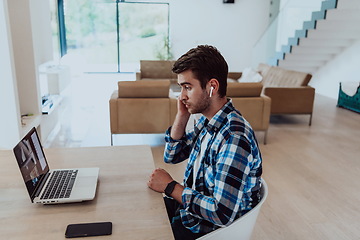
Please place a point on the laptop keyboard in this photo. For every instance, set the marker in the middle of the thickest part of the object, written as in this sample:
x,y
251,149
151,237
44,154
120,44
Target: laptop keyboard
x,y
60,184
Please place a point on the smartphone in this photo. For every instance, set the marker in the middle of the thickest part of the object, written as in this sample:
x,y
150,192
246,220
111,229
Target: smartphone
x,y
88,229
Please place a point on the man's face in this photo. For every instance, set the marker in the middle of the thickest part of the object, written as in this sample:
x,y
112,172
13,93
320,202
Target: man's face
x,y
195,99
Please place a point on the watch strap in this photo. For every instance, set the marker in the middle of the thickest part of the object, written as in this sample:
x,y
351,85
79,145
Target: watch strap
x,y
170,188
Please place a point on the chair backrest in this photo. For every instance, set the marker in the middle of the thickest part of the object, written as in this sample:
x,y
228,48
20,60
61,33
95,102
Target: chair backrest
x,y
242,227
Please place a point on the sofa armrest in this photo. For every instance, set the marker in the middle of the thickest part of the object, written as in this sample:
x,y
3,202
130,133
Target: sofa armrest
x,y
256,111
267,112
292,100
138,115
113,112
138,76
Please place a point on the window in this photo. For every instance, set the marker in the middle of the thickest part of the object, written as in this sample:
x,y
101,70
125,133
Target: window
x,y
111,35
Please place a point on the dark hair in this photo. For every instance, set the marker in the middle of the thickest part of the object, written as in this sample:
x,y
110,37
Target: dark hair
x,y
206,62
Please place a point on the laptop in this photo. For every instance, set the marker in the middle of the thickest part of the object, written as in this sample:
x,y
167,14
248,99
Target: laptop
x,y
52,186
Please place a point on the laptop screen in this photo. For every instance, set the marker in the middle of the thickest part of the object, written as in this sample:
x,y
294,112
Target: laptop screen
x,y
31,160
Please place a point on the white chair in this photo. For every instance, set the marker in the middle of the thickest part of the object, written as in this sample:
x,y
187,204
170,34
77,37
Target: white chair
x,y
242,227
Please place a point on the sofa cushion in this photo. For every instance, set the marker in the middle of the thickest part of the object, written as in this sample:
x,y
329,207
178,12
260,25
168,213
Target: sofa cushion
x,y
279,77
157,69
244,89
144,89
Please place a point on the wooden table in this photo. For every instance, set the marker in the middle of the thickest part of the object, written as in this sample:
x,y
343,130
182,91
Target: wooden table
x,y
122,196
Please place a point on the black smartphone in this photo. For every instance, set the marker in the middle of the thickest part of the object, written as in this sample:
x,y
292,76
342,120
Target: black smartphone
x,y
88,229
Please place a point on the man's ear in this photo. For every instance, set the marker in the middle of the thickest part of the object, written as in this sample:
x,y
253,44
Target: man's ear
x,y
214,85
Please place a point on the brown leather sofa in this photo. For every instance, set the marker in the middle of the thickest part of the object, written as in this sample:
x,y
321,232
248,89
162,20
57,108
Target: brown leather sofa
x,y
145,106
289,90
141,107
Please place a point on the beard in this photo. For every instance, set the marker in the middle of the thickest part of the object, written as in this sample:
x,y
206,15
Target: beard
x,y
201,105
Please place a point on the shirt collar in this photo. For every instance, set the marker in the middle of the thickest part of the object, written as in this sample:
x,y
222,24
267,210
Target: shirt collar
x,y
219,118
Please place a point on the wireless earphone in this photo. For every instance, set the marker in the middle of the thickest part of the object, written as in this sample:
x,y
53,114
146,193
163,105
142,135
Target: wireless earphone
x,y
211,90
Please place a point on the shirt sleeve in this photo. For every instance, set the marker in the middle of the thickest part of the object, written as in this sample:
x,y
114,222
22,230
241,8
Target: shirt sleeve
x,y
232,167
177,150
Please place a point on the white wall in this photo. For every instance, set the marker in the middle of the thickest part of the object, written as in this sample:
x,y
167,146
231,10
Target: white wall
x,y
41,31
10,115
343,68
232,28
24,55
30,29
25,37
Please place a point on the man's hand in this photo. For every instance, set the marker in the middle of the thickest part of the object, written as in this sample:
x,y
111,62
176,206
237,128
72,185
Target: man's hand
x,y
181,119
182,109
159,179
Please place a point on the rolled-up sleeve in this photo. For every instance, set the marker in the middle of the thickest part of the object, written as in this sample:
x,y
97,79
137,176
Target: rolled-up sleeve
x,y
177,150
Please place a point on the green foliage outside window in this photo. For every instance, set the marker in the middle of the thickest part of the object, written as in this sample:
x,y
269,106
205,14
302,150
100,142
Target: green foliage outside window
x,y
91,29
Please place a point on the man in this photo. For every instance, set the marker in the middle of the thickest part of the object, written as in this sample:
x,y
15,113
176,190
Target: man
x,y
223,177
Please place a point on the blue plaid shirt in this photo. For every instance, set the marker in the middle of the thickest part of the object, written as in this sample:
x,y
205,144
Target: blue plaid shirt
x,y
228,181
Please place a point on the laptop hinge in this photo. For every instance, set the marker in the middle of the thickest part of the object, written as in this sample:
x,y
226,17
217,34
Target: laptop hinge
x,y
40,187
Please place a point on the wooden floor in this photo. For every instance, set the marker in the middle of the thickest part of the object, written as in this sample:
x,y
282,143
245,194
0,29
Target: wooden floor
x,y
313,174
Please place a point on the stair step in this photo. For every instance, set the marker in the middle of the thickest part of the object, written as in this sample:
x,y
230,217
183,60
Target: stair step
x,y
318,15
329,4
301,63
301,33
309,25
311,42
331,34
337,24
273,62
286,48
348,4
305,57
316,50
343,14
293,41
279,55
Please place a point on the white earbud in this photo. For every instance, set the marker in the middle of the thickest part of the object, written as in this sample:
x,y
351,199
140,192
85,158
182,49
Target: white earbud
x,y
211,90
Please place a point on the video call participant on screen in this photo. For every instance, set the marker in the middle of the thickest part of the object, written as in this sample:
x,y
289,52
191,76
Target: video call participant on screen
x,y
223,176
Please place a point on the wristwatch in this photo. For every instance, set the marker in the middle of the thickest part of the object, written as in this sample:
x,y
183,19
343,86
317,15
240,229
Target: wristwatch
x,y
170,188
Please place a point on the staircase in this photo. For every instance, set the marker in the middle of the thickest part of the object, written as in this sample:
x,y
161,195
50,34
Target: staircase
x,y
332,29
